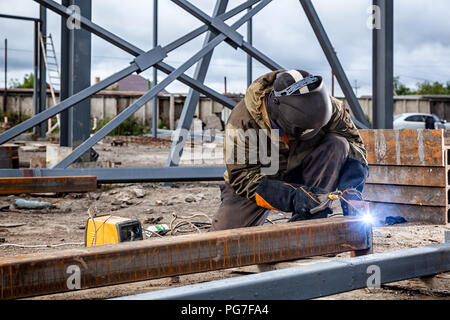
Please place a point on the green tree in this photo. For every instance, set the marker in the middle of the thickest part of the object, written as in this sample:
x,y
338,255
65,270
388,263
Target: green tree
x,y
400,89
27,83
427,87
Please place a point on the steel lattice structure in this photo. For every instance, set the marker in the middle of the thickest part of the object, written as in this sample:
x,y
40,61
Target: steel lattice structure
x,y
218,31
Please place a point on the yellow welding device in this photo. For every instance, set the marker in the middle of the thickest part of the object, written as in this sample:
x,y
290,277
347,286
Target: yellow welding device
x,y
110,229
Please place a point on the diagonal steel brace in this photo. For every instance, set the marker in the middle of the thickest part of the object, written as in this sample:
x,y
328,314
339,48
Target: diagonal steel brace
x,y
80,96
125,114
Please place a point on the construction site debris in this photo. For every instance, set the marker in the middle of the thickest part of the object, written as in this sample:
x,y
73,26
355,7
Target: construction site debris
x,y
190,199
11,225
157,230
34,148
28,204
394,220
138,192
153,220
38,162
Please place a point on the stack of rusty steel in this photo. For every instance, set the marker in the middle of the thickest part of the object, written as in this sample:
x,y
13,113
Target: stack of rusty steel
x,y
408,174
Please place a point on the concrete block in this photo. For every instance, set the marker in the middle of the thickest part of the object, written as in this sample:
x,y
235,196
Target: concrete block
x,y
55,154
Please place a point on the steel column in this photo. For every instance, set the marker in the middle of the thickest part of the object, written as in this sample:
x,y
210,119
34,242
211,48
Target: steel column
x,y
76,74
249,57
316,280
65,81
193,98
5,92
39,274
36,73
334,62
42,72
155,114
35,61
383,67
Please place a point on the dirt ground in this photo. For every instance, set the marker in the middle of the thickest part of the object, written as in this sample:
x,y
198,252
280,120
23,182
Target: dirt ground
x,y
154,203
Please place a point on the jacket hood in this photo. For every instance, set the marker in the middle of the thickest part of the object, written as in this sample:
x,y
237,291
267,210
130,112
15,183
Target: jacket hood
x,y
255,95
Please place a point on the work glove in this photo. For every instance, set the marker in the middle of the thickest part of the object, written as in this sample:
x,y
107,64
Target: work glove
x,y
351,183
298,199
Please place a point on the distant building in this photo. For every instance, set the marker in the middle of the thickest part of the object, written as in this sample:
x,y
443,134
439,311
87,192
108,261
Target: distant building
x,y
133,83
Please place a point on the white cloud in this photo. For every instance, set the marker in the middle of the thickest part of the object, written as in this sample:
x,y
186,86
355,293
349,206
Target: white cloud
x,y
281,30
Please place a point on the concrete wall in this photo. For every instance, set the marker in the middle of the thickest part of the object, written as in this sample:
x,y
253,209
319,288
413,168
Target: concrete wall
x,y
107,104
439,105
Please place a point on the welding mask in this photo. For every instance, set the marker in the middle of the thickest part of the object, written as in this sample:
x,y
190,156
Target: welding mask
x,y
299,104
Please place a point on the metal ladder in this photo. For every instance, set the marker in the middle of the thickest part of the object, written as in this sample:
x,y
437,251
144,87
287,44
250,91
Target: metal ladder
x,y
53,74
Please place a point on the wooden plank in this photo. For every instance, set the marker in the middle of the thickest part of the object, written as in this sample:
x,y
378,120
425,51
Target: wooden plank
x,y
61,271
404,147
421,196
412,213
47,184
407,175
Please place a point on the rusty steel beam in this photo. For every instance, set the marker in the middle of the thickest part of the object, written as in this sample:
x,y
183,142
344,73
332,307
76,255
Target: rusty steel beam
x,y
47,184
40,274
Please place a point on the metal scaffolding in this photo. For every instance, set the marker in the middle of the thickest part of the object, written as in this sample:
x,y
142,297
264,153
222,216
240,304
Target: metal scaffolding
x,y
75,92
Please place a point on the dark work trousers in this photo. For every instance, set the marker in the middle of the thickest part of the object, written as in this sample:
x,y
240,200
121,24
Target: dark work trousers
x,y
320,168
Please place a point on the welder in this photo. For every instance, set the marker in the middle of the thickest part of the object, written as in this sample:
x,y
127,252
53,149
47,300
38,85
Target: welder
x,y
321,156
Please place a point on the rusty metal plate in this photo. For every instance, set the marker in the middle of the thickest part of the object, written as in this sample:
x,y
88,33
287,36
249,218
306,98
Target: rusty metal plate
x,y
404,147
407,176
47,184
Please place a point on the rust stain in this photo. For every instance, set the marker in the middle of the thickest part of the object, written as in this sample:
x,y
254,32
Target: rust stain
x,y
210,255
11,280
199,246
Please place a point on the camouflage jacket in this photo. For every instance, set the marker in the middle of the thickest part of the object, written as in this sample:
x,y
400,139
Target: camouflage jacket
x,y
243,173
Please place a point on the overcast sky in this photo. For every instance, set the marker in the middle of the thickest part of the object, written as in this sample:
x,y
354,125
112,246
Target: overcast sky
x,y
281,31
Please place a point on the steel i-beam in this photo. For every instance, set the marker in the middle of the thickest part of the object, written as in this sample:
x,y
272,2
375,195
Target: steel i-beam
x,y
40,274
317,280
124,174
